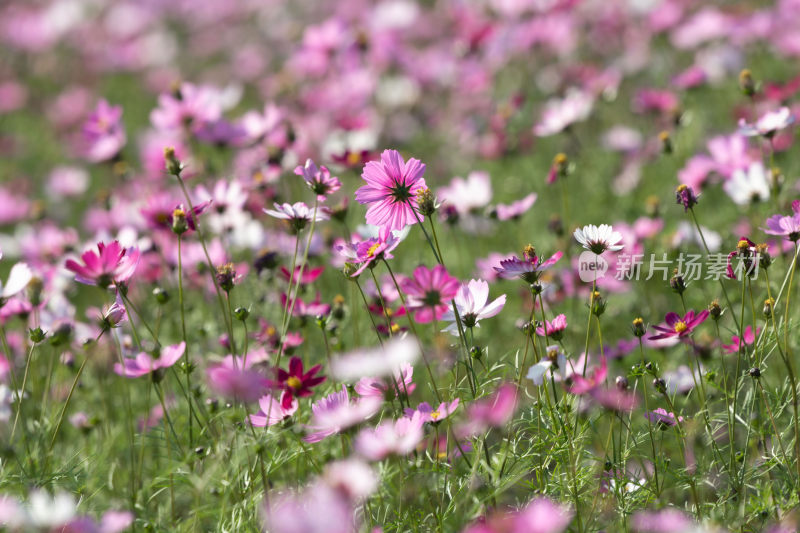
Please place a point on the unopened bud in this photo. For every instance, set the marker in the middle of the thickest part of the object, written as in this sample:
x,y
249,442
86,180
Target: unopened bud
x,y
638,328
746,83
666,142
174,166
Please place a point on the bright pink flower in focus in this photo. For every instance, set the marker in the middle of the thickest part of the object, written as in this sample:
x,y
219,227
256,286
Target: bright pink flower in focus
x,y
295,382
391,190
554,329
429,292
111,264
318,179
675,326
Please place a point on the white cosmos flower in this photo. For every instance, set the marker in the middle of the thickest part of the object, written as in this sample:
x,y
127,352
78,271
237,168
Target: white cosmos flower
x,y
536,372
598,239
386,360
747,187
18,279
768,124
50,512
471,302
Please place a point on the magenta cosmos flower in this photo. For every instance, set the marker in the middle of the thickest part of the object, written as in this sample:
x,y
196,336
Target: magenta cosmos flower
x,y
736,343
494,410
434,416
403,383
144,363
400,438
366,253
429,292
472,302
785,225
554,329
318,179
295,382
111,264
661,416
529,268
675,326
391,190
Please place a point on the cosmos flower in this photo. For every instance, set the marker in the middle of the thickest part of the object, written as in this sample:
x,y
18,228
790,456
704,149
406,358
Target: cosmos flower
x,y
296,383
297,214
748,186
403,384
540,515
104,133
434,416
391,190
336,412
554,329
598,239
559,114
494,410
749,338
392,358
677,326
429,292
309,275
529,268
554,360
368,252
311,309
661,416
768,124
472,303
110,264
785,225
390,437
466,195
515,209
233,379
318,179
272,410
144,363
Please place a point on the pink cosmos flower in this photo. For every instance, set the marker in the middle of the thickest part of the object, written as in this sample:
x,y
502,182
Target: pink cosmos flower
x,y
769,124
366,253
494,410
403,384
559,114
188,107
310,275
271,411
749,338
144,363
429,292
529,268
468,194
676,326
785,225
336,412
233,379
472,303
391,190
661,416
307,309
318,179
111,264
319,508
515,209
541,515
104,133
295,382
434,416
390,437
667,520
584,385
554,329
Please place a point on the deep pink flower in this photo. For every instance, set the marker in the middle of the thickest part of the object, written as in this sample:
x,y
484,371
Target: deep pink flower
x,y
295,382
676,326
103,132
271,411
391,190
318,179
494,410
309,275
554,329
429,292
111,264
749,339
144,363
585,385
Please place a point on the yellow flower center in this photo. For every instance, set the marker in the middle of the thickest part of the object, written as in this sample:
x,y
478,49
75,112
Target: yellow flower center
x,y
178,212
435,415
680,327
353,158
294,382
372,249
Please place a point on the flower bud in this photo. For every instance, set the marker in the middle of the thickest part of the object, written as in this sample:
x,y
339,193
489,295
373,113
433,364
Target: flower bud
x,y
179,223
426,202
764,258
35,288
714,310
755,372
241,313
161,295
621,382
638,328
598,304
677,283
746,83
476,352
666,142
660,385
37,335
226,275
685,196
174,166
769,306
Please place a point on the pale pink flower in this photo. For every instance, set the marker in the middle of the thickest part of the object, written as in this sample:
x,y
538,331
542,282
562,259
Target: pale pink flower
x,y
399,437
472,303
